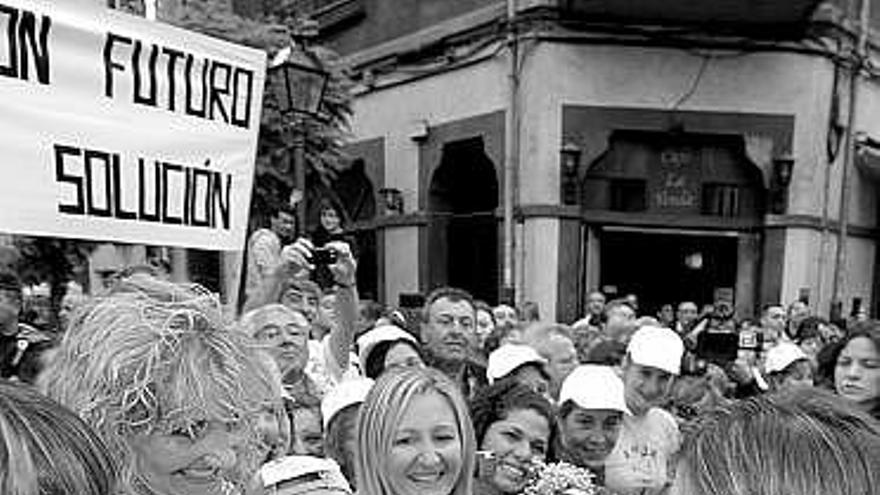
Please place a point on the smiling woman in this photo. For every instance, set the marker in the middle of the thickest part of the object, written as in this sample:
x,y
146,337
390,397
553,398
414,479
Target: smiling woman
x,y
175,394
514,428
414,436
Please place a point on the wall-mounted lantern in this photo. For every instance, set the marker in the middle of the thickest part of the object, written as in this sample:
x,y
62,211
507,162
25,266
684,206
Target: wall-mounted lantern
x,y
570,160
783,167
392,198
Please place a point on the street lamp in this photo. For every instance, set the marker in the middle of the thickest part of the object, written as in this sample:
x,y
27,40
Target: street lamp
x,y
297,80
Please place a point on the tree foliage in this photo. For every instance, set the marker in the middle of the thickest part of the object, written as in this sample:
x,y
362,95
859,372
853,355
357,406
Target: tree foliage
x,y
324,136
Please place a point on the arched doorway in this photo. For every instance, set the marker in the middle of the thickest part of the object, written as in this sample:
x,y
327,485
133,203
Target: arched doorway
x,y
463,235
676,216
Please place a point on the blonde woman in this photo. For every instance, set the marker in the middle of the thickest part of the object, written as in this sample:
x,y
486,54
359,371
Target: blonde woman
x,y
414,436
175,394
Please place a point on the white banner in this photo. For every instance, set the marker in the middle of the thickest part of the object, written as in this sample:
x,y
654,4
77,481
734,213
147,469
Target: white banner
x,y
116,128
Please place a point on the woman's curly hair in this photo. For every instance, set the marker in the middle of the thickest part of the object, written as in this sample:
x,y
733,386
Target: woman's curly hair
x,y
494,402
153,356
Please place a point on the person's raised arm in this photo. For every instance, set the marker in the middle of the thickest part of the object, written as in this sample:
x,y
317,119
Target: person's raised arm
x,y
342,330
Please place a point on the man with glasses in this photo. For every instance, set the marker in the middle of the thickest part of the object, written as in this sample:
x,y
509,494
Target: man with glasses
x,y
284,334
449,337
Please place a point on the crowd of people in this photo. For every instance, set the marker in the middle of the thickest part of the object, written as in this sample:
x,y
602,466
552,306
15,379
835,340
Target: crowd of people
x,y
156,388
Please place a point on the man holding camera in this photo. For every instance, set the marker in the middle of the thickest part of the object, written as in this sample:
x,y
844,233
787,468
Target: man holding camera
x,y
288,284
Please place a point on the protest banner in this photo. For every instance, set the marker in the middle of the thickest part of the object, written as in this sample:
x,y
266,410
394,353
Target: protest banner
x,y
116,128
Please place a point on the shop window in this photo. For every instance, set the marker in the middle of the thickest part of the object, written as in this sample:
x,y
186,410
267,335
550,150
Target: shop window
x,y
628,195
722,200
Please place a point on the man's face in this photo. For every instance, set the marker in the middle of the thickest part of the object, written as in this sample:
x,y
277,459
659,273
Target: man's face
x,y
285,336
303,301
10,306
687,313
774,320
595,303
449,331
284,225
505,316
645,387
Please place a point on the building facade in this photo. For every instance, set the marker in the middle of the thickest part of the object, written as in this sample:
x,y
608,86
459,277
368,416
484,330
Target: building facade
x,y
540,149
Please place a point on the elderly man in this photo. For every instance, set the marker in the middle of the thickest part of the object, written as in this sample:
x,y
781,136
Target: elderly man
x,y
284,334
289,285
156,370
649,438
448,333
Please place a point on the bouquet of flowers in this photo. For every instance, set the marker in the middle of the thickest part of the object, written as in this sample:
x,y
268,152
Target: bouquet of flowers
x,y
560,478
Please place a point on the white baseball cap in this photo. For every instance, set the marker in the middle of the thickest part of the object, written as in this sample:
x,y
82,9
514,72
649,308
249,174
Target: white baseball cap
x,y
290,468
592,386
509,357
781,356
344,394
382,333
657,347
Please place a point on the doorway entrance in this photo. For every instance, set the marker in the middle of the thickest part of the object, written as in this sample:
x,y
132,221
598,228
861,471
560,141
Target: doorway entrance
x,y
668,267
463,233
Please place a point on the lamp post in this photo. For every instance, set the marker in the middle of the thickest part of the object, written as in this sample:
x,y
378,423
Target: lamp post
x,y
297,80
